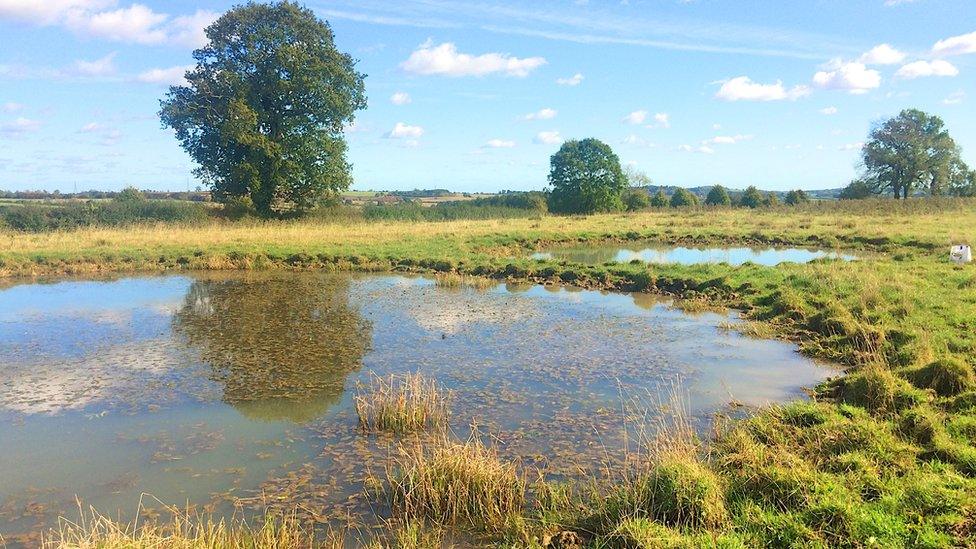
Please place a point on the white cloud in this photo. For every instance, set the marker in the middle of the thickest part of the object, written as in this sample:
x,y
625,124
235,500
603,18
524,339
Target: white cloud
x,y
548,138
918,69
704,149
882,54
445,60
727,139
661,120
46,12
742,88
636,117
172,76
956,45
137,23
19,127
401,130
91,127
541,114
574,80
828,110
852,76
188,30
11,107
499,144
99,67
633,139
851,146
954,98
400,98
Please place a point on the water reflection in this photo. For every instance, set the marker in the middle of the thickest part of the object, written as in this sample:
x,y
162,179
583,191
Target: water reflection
x,y
281,348
663,254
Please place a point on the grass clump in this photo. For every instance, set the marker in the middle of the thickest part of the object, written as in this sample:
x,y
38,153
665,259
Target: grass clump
x,y
184,531
402,404
453,280
946,376
457,483
678,491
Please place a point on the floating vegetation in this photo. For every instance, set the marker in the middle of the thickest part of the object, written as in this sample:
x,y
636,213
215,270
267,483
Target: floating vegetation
x,y
400,404
458,483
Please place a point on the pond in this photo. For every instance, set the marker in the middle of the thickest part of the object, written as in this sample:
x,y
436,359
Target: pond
x,y
235,391
650,252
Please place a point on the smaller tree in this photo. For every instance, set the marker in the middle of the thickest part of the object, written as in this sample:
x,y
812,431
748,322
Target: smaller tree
x,y
752,198
683,197
130,194
718,196
659,200
771,200
586,178
636,178
857,190
796,197
636,199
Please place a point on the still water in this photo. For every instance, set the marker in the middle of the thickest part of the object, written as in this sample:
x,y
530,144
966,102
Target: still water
x,y
234,391
663,253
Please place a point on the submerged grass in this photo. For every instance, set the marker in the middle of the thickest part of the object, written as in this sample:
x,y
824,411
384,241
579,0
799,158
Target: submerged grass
x,y
402,403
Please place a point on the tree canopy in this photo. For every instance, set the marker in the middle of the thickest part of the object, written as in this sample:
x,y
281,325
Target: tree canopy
x,y
683,197
752,198
796,196
264,108
912,152
659,200
718,196
586,177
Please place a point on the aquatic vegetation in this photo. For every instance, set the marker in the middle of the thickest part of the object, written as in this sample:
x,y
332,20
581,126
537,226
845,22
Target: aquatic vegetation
x,y
404,403
459,483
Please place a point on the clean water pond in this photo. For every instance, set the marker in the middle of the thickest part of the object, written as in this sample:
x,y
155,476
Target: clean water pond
x,y
232,392
651,252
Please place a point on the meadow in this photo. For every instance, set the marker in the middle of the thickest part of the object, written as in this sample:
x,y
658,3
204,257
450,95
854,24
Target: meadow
x,y
883,455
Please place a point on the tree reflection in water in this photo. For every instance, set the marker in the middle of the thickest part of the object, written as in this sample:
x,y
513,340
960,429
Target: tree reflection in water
x,y
281,345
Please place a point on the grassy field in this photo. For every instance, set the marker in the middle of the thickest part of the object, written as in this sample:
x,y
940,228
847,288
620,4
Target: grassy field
x,y
883,456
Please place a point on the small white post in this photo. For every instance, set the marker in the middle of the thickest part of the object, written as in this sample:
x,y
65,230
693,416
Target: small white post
x,y
960,253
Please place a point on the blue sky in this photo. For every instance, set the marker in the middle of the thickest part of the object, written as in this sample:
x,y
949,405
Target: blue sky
x,y
475,96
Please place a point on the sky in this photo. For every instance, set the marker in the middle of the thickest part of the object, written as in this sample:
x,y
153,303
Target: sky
x,y
477,95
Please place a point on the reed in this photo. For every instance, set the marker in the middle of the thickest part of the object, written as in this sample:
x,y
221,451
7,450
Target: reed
x,y
402,404
452,280
183,530
456,483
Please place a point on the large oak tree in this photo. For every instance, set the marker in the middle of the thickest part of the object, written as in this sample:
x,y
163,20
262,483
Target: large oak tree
x,y
264,109
912,152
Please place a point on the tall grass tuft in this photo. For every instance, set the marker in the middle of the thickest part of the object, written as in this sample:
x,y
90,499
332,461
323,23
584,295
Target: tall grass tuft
x,y
402,404
452,280
456,483
184,531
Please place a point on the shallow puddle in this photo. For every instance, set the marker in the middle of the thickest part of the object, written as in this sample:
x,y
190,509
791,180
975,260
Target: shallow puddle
x,y
234,391
663,253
